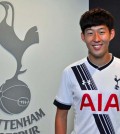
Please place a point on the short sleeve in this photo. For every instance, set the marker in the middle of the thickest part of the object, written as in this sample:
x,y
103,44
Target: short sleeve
x,y
63,98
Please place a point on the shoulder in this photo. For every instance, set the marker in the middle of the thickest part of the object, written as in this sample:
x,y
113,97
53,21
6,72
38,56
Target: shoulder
x,y
68,72
116,60
75,64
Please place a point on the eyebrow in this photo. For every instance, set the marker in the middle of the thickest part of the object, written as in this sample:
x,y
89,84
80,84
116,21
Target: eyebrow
x,y
102,28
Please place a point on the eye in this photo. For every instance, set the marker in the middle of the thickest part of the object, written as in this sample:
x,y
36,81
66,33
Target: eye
x,y
89,32
102,32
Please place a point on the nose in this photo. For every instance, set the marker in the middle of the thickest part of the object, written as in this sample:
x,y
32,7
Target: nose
x,y
97,37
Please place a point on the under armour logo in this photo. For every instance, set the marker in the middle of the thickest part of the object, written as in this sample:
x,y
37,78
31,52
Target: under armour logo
x,y
117,80
86,82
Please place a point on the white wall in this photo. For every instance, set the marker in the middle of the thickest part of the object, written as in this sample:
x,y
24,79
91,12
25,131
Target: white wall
x,y
59,46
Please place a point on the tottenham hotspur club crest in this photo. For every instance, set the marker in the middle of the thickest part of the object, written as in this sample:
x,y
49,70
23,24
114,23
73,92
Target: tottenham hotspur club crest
x,y
117,80
15,95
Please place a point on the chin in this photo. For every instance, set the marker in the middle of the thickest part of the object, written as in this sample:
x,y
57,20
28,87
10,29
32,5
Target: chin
x,y
100,55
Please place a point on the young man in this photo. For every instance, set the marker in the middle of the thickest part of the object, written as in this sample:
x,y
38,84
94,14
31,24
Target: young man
x,y
91,85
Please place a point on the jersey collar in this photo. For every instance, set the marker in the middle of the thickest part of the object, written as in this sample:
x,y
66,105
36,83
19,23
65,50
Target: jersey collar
x,y
100,68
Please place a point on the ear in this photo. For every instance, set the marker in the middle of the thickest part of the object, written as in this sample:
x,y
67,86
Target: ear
x,y
112,34
83,37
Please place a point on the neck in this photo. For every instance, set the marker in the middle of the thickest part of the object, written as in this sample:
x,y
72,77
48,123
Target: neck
x,y
100,61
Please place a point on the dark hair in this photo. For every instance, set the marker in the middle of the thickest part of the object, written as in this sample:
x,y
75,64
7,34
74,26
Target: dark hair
x,y
95,17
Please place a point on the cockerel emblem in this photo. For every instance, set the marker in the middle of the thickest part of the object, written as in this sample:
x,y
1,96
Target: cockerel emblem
x,y
14,94
117,80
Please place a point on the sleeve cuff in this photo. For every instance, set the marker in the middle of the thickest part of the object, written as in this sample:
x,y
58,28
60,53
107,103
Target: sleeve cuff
x,y
61,106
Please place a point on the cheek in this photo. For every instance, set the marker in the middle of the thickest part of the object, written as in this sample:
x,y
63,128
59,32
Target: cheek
x,y
88,40
89,46
106,42
106,38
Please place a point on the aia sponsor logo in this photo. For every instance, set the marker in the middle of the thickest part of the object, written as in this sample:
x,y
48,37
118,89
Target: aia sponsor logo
x,y
103,104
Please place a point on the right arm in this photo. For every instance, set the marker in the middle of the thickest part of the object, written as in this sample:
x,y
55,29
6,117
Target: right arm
x,y
61,121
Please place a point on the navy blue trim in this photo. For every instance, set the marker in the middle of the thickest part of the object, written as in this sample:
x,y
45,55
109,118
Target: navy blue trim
x,y
61,106
100,68
104,123
84,77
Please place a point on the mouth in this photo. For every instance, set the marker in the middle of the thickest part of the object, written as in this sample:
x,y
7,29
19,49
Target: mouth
x,y
97,46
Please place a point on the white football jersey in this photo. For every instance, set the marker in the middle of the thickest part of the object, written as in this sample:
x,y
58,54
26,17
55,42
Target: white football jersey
x,y
94,93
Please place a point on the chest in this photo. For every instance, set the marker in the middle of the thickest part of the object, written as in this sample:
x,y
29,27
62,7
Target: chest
x,y
97,90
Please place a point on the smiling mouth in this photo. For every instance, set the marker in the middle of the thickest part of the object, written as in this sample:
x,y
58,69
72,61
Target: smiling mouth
x,y
97,46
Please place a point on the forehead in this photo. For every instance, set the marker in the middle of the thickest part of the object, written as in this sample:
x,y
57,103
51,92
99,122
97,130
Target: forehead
x,y
95,28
